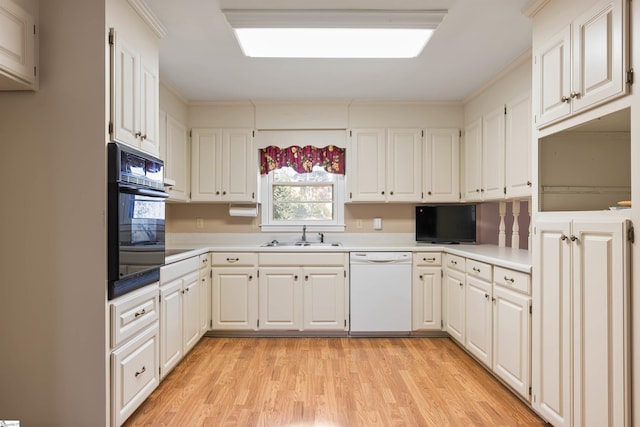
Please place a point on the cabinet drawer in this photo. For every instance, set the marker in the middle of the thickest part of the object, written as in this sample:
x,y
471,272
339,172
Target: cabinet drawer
x,y
427,258
455,262
479,270
515,280
234,258
134,373
204,261
133,312
304,259
174,270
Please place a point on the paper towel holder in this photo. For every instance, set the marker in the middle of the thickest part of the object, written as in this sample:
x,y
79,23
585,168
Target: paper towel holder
x,y
246,210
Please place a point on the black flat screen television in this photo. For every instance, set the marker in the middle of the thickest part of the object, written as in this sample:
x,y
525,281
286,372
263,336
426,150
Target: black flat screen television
x,y
446,223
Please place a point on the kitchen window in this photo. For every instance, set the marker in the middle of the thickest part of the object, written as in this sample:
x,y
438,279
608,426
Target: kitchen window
x,y
299,187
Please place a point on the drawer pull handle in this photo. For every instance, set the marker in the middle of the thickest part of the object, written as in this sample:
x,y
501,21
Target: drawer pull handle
x,y
509,279
454,262
141,371
232,260
477,270
429,259
140,313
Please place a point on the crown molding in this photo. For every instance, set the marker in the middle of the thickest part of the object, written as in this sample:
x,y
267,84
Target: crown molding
x,y
533,7
149,17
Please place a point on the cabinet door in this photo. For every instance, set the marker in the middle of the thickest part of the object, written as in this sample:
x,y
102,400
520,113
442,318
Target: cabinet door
x,y
478,316
404,165
205,300
366,174
126,81
442,165
552,78
324,298
190,311
234,298
493,155
511,338
176,161
598,55
518,147
600,324
206,177
455,308
170,325
551,343
473,161
238,164
149,88
280,298
17,47
427,300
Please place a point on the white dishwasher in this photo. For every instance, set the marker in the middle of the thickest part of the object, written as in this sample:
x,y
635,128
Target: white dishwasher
x,y
380,299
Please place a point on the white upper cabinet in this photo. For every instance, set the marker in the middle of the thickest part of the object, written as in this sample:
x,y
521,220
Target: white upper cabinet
x,y
518,147
366,165
135,82
473,161
404,165
18,48
174,145
584,65
493,154
441,165
223,165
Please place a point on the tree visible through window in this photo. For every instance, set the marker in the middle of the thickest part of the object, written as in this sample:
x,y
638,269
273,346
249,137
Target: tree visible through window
x,y
302,196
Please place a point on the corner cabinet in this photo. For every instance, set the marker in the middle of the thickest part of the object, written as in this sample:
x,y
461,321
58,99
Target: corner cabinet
x,y
135,87
18,48
441,165
584,65
223,165
581,339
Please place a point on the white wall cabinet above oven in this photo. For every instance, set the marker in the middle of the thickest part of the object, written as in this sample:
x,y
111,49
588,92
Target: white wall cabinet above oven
x,y
18,48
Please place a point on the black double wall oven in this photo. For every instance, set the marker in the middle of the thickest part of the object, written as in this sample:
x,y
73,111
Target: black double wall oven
x,y
135,219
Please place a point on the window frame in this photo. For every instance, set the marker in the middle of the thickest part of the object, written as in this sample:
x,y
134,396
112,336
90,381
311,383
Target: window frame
x,y
269,224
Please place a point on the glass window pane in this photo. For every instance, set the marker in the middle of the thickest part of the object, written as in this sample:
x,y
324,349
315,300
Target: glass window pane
x,y
298,193
293,211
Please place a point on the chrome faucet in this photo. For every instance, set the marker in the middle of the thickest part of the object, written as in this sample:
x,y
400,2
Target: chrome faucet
x,y
304,233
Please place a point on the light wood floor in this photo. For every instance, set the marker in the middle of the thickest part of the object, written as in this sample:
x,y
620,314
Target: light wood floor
x,y
331,382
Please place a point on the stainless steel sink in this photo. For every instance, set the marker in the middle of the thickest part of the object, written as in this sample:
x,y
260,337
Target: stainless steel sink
x,y
277,244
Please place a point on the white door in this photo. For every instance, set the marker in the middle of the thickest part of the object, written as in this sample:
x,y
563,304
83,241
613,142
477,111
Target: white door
x,y
552,78
473,161
442,165
551,328
493,155
426,298
478,317
600,324
324,298
404,165
126,96
190,311
205,300
176,162
511,338
149,103
206,174
518,147
239,171
170,325
598,55
280,298
366,174
234,298
455,308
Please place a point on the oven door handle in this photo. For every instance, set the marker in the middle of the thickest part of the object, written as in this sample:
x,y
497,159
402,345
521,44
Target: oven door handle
x,y
143,191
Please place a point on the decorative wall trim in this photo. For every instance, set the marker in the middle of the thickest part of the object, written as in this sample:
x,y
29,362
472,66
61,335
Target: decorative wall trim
x,y
533,7
149,17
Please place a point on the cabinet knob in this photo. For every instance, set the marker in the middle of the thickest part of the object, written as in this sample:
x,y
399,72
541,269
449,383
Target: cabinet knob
x,y
573,238
250,277
420,277
454,262
143,137
529,183
391,193
137,134
575,94
217,193
563,237
224,193
306,277
477,190
482,190
295,277
461,285
486,296
429,192
382,193
565,99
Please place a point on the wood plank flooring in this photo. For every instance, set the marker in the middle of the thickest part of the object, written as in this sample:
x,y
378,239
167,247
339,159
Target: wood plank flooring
x,y
331,382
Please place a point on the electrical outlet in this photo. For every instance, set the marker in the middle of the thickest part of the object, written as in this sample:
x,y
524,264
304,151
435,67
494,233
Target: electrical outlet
x,y
358,223
199,223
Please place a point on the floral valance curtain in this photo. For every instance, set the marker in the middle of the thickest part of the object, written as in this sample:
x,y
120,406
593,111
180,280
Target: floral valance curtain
x,y
302,159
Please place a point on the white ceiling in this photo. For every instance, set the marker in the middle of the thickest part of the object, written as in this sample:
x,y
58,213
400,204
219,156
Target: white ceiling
x,y
200,57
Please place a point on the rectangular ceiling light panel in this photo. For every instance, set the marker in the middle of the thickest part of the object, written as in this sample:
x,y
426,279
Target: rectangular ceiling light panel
x,y
333,34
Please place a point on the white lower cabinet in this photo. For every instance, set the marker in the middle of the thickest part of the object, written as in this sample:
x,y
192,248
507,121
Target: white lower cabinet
x,y
205,293
580,343
135,350
427,291
303,291
478,319
179,311
455,296
234,296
